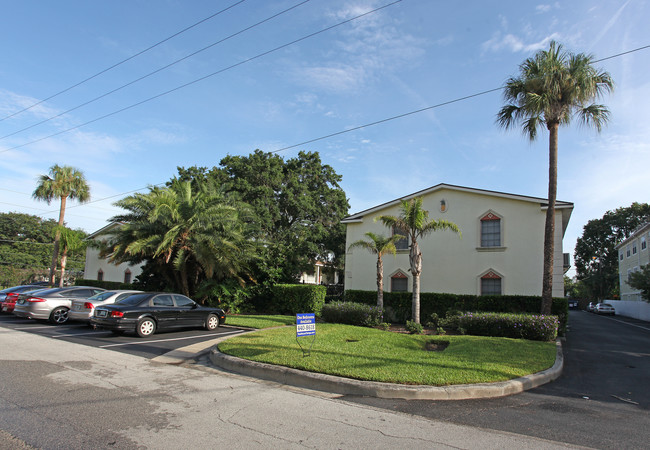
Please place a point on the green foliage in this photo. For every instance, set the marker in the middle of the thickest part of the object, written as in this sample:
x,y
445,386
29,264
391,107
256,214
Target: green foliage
x,y
108,285
517,326
352,314
596,258
413,327
228,295
259,321
298,298
397,304
297,203
433,321
641,281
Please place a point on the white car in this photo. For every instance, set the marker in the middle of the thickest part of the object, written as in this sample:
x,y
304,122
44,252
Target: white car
x,y
604,308
82,309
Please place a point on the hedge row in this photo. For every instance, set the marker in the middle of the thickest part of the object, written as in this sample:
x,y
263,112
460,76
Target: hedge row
x,y
358,314
535,327
397,305
298,298
108,285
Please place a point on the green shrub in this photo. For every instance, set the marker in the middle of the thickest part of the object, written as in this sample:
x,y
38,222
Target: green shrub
x,y
414,327
351,313
433,321
397,305
108,285
385,326
298,298
518,326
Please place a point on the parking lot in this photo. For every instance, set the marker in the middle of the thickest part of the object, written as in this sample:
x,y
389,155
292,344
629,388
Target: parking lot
x,y
150,347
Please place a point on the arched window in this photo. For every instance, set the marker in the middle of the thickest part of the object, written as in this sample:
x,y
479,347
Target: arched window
x,y
491,283
127,276
399,282
100,275
491,230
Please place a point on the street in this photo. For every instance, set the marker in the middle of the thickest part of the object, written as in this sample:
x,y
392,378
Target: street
x,y
60,394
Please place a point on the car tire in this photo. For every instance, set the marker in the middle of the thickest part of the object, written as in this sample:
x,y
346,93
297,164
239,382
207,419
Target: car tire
x,y
59,315
212,322
146,327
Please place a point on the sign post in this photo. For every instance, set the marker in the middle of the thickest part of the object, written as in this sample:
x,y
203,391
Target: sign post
x,y
306,326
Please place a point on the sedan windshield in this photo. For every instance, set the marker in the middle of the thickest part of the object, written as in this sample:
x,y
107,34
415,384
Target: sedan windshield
x,y
101,296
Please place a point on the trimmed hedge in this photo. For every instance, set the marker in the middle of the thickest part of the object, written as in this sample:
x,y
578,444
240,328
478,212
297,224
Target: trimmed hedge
x,y
518,326
397,305
350,313
108,285
299,298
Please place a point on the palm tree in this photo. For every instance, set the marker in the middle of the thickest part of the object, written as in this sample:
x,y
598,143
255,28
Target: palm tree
x,y
63,182
70,241
199,231
379,245
552,87
414,222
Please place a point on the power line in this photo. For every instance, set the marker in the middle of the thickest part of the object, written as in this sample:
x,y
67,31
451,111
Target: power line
x,y
260,55
456,100
106,94
123,61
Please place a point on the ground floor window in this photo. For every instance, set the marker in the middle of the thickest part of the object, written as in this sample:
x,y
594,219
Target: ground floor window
x,y
399,282
100,275
491,284
127,276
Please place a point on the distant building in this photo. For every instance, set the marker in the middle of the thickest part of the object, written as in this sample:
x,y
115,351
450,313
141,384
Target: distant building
x,y
100,269
632,255
501,250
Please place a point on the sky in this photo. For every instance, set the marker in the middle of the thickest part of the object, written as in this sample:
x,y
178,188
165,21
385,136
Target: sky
x,y
134,89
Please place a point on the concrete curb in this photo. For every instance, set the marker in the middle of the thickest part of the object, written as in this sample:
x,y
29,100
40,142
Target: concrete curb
x,y
348,386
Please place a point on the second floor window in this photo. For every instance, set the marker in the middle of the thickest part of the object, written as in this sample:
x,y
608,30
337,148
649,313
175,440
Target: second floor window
x,y
490,231
402,244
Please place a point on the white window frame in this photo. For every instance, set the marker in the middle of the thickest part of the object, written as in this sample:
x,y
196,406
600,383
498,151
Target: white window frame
x,y
486,217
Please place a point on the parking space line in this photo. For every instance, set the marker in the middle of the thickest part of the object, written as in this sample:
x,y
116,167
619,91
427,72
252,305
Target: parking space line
x,y
173,339
80,334
51,327
630,324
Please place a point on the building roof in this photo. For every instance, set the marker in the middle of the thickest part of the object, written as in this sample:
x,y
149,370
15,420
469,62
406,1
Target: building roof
x,y
104,229
635,234
565,207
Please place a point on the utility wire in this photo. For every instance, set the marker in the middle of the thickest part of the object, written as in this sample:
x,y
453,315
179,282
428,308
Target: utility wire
x,y
459,99
123,61
260,55
155,71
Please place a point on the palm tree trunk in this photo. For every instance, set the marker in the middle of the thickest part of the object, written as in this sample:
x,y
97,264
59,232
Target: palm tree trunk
x,y
415,258
549,228
64,260
380,283
57,239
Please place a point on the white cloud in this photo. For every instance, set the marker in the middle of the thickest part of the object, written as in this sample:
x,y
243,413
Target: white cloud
x,y
543,8
516,44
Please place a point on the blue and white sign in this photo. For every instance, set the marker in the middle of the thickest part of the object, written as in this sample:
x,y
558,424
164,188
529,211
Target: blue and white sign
x,y
305,325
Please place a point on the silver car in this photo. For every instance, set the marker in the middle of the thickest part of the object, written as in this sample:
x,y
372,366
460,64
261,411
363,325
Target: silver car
x,y
52,304
604,308
83,309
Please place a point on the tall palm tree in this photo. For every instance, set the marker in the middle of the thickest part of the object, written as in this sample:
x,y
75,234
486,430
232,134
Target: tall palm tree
x,y
414,222
199,231
378,245
63,182
552,87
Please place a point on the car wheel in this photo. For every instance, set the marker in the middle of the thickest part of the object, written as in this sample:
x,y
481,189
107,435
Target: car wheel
x,y
146,327
212,322
59,315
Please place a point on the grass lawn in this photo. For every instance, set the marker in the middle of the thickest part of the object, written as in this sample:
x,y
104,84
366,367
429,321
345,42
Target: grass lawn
x,y
260,321
376,355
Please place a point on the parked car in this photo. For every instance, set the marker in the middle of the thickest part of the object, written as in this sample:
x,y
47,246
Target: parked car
x,y
83,309
604,308
9,296
573,304
591,306
52,304
148,312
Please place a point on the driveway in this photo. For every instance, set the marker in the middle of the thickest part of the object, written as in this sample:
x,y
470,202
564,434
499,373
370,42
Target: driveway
x,y
601,400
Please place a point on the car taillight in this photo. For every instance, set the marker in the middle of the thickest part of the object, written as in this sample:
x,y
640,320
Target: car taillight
x,y
117,314
35,300
88,305
11,297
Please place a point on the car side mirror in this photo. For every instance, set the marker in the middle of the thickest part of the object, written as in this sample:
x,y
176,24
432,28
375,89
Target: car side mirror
x,y
194,306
